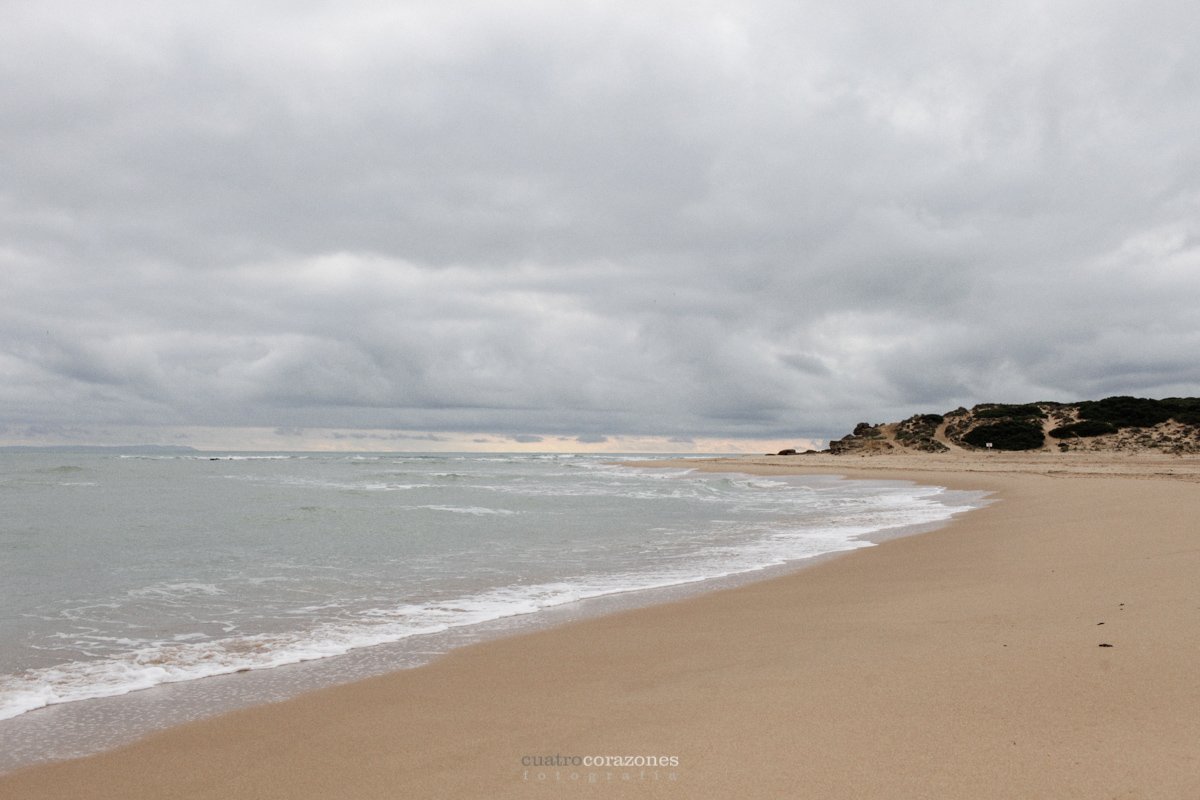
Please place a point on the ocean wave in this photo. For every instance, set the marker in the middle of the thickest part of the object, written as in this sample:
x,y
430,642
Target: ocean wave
x,y
184,658
477,511
185,622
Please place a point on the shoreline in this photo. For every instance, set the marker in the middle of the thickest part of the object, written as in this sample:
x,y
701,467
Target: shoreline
x,y
960,662
68,730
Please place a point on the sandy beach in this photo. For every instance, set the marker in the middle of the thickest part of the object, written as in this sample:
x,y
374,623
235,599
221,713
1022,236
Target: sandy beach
x,y
1045,646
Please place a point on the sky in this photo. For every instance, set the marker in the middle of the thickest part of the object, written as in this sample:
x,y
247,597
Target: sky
x,y
588,225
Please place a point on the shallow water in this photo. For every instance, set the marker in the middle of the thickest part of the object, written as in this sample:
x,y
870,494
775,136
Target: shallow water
x,y
123,573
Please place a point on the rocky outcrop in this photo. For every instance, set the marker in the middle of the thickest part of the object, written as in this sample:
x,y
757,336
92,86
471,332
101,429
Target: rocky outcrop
x,y
866,438
919,432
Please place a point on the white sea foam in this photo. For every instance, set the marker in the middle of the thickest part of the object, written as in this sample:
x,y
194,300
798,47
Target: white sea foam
x,y
186,658
176,590
477,511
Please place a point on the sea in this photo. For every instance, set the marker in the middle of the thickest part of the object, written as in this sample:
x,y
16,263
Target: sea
x,y
143,591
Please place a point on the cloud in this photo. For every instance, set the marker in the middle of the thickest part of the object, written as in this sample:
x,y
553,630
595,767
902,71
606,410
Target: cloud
x,y
388,437
591,438
774,219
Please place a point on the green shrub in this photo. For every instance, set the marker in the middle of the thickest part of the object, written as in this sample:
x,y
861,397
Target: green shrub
x,y
1010,434
1126,412
1087,427
1184,409
1002,410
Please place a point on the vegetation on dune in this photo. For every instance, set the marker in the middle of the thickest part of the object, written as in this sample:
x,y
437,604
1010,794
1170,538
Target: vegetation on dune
x,y
1184,409
1087,427
919,432
1125,412
1119,423
1008,434
1007,411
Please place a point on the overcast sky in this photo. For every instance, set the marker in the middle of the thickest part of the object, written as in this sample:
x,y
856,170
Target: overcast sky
x,y
414,224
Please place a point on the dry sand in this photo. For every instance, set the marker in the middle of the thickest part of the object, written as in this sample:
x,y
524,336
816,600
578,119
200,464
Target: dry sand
x,y
965,663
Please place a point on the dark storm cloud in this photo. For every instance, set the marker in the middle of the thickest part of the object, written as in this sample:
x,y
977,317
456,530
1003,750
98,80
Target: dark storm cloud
x,y
751,219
